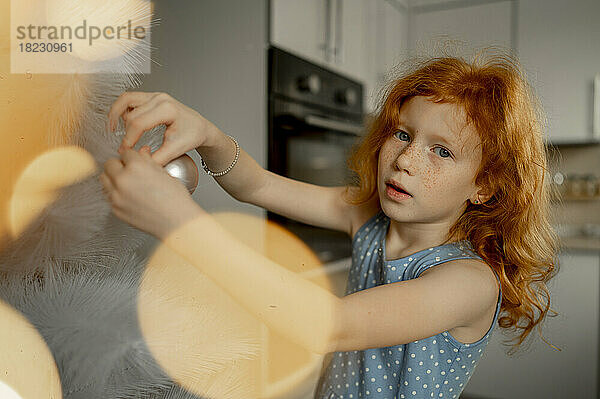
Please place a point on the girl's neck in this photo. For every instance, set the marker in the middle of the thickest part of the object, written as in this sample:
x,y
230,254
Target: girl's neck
x,y
403,239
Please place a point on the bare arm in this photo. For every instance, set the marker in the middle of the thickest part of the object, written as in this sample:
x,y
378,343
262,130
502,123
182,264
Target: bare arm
x,y
218,152
455,293
249,182
294,306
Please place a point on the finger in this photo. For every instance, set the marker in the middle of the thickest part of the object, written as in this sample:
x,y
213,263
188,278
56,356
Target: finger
x,y
130,116
126,100
109,189
123,102
131,113
129,155
146,152
167,151
107,186
162,113
112,168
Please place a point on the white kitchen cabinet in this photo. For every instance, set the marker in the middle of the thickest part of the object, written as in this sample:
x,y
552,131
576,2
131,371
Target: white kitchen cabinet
x,y
558,44
393,40
387,27
352,39
541,371
330,33
300,26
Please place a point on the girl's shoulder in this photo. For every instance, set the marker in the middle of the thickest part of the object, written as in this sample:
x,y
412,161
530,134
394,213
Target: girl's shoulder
x,y
363,213
423,261
457,250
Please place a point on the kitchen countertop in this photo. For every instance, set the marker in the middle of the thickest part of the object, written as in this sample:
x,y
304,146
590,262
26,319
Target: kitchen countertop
x,y
580,243
579,236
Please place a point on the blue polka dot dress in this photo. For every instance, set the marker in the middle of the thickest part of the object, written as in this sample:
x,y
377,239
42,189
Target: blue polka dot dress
x,y
435,367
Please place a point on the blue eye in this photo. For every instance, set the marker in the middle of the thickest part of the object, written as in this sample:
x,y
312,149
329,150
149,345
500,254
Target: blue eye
x,y
444,151
401,132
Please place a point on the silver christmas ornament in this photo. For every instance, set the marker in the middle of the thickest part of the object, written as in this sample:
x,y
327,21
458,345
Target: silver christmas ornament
x,y
184,168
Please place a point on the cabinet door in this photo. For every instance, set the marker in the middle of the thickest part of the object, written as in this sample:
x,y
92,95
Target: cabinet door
x,y
387,44
302,26
392,39
299,27
370,81
351,38
541,371
558,46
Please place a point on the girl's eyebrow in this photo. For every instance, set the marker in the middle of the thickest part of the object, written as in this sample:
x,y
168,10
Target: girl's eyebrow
x,y
443,139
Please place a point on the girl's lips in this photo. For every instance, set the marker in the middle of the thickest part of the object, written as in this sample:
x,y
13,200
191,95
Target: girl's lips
x,y
396,185
396,195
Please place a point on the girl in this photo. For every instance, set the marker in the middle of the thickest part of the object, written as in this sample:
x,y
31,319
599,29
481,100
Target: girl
x,y
449,225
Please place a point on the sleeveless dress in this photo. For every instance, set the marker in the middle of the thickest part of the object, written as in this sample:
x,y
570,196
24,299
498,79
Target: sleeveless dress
x,y
436,367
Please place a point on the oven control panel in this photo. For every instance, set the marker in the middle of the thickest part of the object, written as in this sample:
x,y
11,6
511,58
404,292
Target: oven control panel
x,y
299,80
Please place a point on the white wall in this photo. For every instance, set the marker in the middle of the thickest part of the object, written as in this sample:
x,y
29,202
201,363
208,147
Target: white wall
x,y
559,45
432,26
213,59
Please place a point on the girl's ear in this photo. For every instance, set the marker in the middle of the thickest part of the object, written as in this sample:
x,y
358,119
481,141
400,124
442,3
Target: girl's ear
x,y
481,196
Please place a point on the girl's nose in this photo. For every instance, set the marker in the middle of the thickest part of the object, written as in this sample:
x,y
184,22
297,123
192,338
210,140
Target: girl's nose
x,y
406,159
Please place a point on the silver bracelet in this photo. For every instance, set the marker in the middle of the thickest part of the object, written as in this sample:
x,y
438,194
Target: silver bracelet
x,y
217,174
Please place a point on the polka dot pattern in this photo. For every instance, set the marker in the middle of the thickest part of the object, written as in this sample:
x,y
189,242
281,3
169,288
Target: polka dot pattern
x,y
439,366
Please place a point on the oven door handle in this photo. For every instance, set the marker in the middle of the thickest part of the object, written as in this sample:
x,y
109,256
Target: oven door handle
x,y
345,127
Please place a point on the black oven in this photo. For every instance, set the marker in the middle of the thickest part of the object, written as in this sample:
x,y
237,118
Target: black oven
x,y
315,117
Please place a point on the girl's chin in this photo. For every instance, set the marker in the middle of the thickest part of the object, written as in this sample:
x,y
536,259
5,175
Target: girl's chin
x,y
395,211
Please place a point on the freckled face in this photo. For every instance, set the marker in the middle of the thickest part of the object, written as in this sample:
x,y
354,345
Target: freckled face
x,y
439,174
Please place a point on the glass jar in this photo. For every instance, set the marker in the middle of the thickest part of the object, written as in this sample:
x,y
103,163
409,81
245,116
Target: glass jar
x,y
590,185
575,185
559,184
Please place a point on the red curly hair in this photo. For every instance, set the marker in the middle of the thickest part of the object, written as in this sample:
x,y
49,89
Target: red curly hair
x,y
512,230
